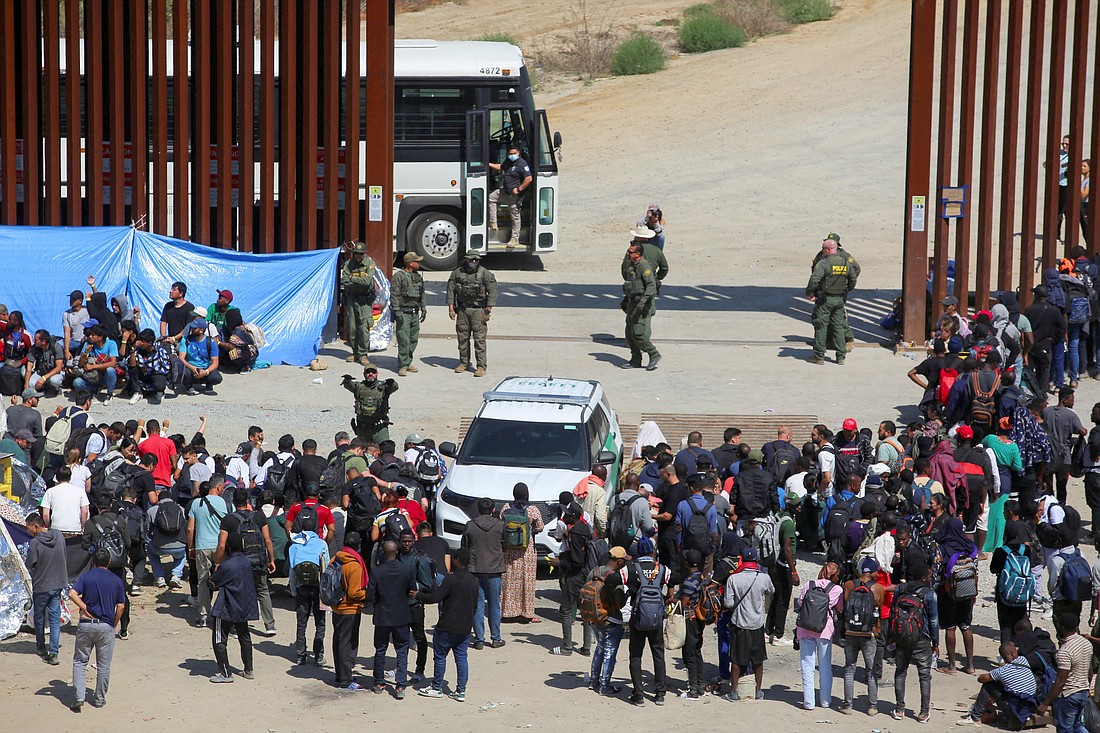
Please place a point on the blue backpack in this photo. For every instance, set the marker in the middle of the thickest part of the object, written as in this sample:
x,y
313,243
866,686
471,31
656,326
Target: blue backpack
x,y
1015,584
1075,580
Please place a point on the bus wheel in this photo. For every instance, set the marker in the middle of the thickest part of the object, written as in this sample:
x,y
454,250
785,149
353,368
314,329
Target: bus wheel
x,y
437,238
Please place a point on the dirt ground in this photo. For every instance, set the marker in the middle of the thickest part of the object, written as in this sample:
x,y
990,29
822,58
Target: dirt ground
x,y
754,154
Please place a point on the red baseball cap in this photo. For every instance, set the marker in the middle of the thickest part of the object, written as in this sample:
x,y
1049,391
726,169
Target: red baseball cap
x,y
964,432
227,294
849,424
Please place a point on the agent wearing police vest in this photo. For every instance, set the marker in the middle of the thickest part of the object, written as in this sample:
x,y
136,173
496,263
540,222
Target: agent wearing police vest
x,y
409,311
372,404
471,294
849,337
639,292
832,279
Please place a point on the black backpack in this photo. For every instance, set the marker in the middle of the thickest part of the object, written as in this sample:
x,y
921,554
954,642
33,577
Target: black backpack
x,y
859,609
80,440
649,603
783,460
836,521
697,531
396,523
620,524
169,518
815,608
983,404
363,505
252,540
106,535
305,520
137,521
277,475
334,474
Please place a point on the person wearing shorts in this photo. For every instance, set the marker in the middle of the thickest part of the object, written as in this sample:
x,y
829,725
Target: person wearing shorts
x,y
956,615
748,592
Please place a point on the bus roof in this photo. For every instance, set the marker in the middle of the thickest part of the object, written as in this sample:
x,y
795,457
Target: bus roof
x,y
413,58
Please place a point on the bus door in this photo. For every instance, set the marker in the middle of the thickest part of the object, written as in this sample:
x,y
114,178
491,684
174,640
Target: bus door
x,y
544,218
477,180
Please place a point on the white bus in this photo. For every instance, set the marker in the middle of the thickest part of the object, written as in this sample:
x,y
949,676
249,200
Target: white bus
x,y
458,106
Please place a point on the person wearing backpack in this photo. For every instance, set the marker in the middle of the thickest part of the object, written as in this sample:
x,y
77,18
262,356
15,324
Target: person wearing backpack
x,y
523,522
643,586
1011,566
690,592
424,572
137,529
234,608
915,635
308,557
629,516
955,600
322,521
697,523
199,355
305,471
167,539
347,612
1068,576
106,530
276,471
251,526
863,599
818,606
388,525
457,596
570,561
484,537
609,633
783,572
753,494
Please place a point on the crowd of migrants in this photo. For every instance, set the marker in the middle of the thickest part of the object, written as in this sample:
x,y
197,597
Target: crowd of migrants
x,y
102,348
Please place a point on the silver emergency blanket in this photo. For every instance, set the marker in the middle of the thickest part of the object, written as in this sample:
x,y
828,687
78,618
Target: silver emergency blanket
x,y
15,581
382,331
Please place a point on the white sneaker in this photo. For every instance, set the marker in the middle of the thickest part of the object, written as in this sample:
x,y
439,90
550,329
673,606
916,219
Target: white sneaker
x,y
781,641
390,674
135,399
175,583
161,583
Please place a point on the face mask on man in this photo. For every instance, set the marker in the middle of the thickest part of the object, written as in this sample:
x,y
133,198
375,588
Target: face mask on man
x,y
513,156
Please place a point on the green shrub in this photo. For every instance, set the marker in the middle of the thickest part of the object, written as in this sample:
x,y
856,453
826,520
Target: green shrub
x,y
807,11
694,11
499,38
702,33
638,55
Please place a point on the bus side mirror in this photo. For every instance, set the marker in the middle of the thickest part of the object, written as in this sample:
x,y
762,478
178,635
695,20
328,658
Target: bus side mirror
x,y
557,140
448,449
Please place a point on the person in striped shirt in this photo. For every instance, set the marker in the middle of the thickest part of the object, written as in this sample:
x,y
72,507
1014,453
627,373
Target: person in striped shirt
x,y
1011,685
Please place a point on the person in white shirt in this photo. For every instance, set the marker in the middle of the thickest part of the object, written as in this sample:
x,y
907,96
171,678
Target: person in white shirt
x,y
237,468
826,459
65,505
285,456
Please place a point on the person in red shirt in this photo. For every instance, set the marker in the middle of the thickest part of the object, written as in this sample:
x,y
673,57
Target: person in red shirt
x,y
326,524
165,451
412,507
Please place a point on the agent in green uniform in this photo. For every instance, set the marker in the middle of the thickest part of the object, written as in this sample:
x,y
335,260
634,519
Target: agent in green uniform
x,y
471,294
409,311
640,290
357,279
372,404
831,281
651,253
849,337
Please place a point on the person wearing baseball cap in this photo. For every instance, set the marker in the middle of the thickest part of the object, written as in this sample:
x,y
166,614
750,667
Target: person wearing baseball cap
x,y
832,277
863,599
223,315
853,265
19,445
200,356
609,635
747,591
409,311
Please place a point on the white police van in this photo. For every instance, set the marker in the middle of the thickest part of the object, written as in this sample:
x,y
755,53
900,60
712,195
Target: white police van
x,y
544,432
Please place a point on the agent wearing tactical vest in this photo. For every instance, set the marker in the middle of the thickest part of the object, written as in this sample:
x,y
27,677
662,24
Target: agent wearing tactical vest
x,y
357,279
849,337
640,290
471,294
650,252
372,404
409,311
831,281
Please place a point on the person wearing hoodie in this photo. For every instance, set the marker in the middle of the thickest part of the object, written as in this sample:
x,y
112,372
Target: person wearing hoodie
x,y
120,306
347,614
754,494
1048,325
308,557
1009,336
487,543
49,576
235,606
101,311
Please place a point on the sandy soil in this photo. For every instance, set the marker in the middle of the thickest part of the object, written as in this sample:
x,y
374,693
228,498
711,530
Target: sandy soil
x,y
754,154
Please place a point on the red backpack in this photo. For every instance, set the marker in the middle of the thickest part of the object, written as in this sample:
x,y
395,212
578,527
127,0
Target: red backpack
x,y
948,378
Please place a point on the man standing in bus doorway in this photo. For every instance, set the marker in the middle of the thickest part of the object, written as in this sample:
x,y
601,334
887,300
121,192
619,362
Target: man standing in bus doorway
x,y
471,294
849,337
516,179
640,290
407,303
357,279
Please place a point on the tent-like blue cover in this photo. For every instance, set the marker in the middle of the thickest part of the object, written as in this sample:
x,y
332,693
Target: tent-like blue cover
x,y
288,295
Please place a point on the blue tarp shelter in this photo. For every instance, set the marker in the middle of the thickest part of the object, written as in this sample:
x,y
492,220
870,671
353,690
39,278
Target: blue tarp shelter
x,y
289,296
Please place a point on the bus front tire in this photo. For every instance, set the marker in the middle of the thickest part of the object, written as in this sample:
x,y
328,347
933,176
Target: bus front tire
x,y
437,237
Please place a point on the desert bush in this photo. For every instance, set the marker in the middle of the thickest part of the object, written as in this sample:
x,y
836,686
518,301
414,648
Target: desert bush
x,y
589,39
638,55
758,18
498,38
709,32
807,11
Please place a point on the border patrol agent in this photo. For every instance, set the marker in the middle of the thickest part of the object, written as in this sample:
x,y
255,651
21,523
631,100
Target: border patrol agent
x,y
849,337
639,291
651,252
409,311
471,294
831,281
372,404
357,279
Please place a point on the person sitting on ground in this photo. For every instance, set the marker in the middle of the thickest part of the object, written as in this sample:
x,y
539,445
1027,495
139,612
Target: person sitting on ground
x,y
199,356
46,363
148,366
1011,687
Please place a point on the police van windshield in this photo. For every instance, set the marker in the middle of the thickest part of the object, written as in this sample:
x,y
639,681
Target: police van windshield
x,y
520,444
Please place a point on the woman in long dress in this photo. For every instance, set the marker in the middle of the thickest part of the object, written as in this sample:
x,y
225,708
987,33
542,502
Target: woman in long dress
x,y
517,590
